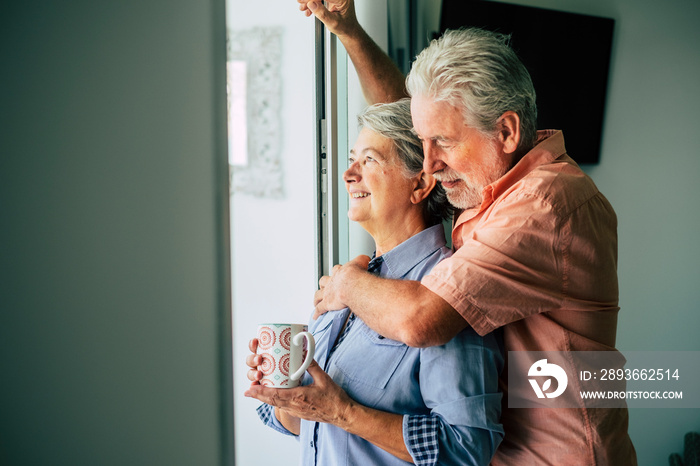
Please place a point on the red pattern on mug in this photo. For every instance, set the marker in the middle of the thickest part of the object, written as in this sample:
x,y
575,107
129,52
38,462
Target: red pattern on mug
x,y
266,338
284,365
286,338
267,366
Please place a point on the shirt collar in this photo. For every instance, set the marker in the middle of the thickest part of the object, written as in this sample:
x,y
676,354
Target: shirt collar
x,y
404,257
549,147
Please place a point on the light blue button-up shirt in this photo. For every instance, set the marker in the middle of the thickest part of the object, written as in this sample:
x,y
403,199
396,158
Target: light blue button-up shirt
x,y
448,394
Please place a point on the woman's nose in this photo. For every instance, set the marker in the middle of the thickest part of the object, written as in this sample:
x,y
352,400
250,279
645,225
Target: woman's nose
x,y
352,174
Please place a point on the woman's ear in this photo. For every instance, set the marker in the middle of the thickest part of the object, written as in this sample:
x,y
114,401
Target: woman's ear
x,y
424,184
509,131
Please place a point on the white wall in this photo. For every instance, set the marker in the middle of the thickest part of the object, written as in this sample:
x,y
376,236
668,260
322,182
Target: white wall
x,y
114,274
274,241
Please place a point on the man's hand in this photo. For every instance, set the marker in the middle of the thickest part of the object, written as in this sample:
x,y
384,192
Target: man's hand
x,y
380,78
329,295
338,16
322,401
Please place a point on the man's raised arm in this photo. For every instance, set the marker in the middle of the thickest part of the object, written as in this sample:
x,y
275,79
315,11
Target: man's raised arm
x,y
403,310
380,78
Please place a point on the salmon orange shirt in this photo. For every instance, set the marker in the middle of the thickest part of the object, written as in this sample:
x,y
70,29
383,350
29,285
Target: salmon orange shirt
x,y
539,258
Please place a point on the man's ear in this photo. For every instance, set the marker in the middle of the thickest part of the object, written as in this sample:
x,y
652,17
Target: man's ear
x,y
424,184
508,127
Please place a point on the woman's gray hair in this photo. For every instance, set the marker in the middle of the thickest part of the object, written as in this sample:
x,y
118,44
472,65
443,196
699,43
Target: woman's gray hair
x,y
477,71
393,121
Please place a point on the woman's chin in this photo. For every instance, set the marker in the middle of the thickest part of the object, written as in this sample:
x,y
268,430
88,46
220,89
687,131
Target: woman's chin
x,y
354,216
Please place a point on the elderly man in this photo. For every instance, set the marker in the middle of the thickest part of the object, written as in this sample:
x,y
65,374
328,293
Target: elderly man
x,y
536,242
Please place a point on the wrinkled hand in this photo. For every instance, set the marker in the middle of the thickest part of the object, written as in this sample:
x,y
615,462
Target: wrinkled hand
x,y
338,15
253,361
328,296
322,401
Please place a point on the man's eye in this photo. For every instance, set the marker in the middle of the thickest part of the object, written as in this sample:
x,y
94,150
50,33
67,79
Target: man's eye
x,y
370,159
351,161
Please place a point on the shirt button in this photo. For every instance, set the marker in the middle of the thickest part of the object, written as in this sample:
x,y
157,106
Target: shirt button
x,y
311,444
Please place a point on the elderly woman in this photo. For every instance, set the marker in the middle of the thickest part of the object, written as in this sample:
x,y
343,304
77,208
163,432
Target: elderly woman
x,y
368,399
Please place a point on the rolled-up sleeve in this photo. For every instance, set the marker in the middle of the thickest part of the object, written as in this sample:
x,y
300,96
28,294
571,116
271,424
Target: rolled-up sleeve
x,y
459,383
267,416
421,438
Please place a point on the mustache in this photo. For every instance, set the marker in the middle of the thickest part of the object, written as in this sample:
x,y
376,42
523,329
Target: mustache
x,y
447,174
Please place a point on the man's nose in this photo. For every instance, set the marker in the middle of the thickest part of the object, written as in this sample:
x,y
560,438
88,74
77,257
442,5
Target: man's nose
x,y
431,162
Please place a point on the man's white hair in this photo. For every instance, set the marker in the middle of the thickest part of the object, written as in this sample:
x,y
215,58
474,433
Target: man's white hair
x,y
477,71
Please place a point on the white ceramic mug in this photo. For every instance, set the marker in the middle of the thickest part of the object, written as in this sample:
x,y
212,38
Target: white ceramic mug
x,y
287,351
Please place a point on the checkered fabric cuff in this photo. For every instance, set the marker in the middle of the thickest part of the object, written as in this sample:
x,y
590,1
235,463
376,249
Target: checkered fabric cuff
x,y
266,413
421,434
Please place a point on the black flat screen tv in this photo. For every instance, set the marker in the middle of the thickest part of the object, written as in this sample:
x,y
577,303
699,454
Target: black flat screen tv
x,y
567,55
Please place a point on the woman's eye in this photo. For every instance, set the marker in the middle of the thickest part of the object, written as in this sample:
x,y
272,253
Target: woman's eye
x,y
370,159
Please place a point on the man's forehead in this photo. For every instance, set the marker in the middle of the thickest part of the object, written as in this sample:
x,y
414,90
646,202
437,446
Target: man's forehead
x,y
436,119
